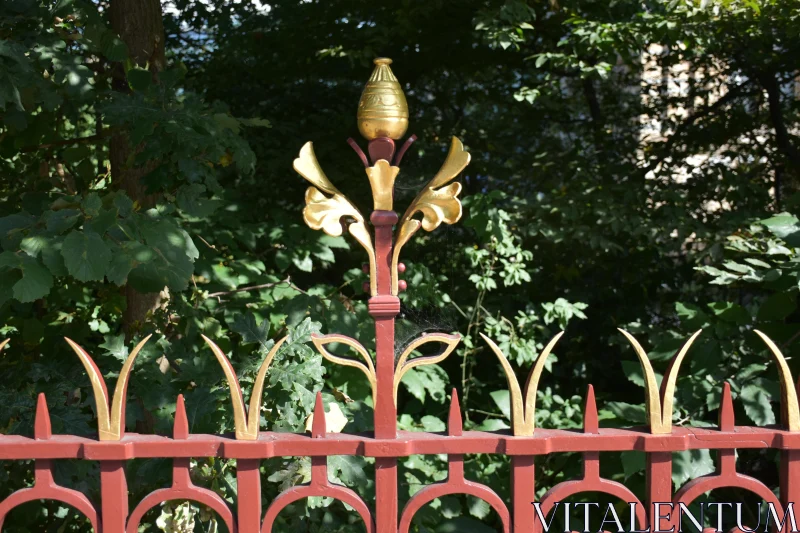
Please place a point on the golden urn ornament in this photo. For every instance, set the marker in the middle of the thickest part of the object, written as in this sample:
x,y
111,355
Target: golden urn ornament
x,y
382,110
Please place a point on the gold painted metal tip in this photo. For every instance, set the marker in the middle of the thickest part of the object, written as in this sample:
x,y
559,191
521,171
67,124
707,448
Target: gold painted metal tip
x,y
382,110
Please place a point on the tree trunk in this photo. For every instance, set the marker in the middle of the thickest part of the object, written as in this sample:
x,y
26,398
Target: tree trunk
x,y
139,23
783,138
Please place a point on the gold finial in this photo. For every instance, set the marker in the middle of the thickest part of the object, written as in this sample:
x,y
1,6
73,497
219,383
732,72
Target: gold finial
x,y
382,110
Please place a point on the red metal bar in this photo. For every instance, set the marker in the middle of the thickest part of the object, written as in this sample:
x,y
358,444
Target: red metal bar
x,y
790,473
384,308
45,448
270,444
114,497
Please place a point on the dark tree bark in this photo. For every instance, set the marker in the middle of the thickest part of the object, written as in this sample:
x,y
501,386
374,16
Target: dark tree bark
x,y
783,139
594,111
139,23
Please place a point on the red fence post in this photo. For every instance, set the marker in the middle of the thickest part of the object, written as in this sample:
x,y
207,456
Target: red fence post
x,y
523,473
384,308
248,495
659,481
114,498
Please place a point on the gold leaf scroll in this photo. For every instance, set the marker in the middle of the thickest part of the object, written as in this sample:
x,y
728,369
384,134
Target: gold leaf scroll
x,y
109,421
404,365
790,411
320,341
658,404
326,205
437,203
246,425
523,415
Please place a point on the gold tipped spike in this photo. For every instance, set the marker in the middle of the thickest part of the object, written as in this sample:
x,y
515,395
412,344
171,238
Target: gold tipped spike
x,y
254,412
246,424
790,412
523,415
382,110
239,416
532,383
110,422
653,401
668,384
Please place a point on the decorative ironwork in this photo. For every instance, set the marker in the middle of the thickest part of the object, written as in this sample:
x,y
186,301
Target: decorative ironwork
x,y
523,405
381,119
245,422
438,202
382,110
109,419
326,212
367,367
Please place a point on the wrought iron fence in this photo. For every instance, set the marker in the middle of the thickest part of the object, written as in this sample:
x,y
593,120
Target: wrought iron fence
x,y
383,119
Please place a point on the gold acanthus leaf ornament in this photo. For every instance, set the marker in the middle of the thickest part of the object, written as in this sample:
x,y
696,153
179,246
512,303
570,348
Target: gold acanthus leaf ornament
x,y
326,205
381,178
437,202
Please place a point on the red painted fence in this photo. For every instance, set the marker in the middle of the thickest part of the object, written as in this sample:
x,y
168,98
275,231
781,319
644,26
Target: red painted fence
x,y
326,209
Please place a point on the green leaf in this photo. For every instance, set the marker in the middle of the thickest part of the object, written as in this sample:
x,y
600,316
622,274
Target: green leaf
x,y
86,256
493,424
463,524
113,47
628,412
245,325
33,245
781,225
304,263
124,259
324,253
432,424
255,122
350,470
61,220
778,306
53,260
115,346
502,398
632,463
167,260
757,405
428,380
36,281
75,154
633,371
730,312
190,199
691,464
691,315
139,79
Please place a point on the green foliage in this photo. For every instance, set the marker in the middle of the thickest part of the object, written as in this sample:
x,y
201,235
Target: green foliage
x,y
633,166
